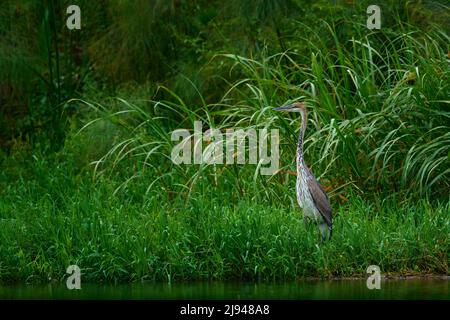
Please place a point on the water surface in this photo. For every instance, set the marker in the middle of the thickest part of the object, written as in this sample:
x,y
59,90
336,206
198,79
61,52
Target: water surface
x,y
303,290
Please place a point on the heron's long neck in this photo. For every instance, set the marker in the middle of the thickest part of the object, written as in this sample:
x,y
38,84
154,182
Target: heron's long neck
x,y
300,161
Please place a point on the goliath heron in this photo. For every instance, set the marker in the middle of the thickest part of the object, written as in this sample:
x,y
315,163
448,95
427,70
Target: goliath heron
x,y
310,195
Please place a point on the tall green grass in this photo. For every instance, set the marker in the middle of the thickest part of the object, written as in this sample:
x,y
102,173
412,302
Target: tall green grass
x,y
113,202
379,118
51,219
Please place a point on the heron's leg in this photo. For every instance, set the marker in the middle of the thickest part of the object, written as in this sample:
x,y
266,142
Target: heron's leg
x,y
319,233
305,220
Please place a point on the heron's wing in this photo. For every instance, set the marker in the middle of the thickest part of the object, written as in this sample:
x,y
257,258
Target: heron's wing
x,y
320,199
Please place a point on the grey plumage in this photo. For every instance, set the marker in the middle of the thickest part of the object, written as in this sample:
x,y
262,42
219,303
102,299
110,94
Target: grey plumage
x,y
311,197
321,202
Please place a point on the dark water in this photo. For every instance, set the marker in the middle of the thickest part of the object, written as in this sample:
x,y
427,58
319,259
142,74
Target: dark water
x,y
335,289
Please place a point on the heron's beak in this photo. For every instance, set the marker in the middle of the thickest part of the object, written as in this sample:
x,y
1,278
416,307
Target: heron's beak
x,y
289,107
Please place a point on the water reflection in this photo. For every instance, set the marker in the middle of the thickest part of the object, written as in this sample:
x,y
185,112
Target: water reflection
x,y
336,289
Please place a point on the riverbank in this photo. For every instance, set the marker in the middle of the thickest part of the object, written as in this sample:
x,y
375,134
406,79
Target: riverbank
x,y
90,126
51,219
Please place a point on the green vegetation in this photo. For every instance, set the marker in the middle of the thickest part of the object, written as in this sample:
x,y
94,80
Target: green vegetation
x,y
85,133
52,221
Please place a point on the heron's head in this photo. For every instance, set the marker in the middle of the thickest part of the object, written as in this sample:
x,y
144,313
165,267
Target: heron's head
x,y
294,107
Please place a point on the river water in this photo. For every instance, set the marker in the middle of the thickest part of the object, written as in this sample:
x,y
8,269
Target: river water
x,y
303,290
